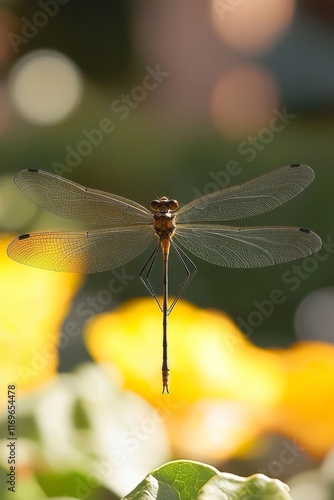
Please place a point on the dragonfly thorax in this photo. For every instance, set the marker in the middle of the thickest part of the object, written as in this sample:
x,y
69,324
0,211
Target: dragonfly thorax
x,y
164,225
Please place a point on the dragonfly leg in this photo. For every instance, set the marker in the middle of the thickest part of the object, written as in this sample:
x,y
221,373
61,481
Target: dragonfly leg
x,y
146,272
190,270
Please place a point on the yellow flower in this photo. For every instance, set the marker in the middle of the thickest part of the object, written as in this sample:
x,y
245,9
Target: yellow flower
x,y
305,412
34,304
209,357
224,391
221,387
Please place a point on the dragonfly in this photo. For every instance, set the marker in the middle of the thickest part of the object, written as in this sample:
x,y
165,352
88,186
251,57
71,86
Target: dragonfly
x,y
124,229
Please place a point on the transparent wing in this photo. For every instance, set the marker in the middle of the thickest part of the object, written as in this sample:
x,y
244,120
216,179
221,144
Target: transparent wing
x,y
81,252
72,201
251,198
248,247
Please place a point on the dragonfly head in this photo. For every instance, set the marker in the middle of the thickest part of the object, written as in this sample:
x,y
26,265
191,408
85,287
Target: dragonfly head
x,y
164,205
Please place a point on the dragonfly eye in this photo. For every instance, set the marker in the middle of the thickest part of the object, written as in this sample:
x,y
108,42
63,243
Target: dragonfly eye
x,y
155,205
173,205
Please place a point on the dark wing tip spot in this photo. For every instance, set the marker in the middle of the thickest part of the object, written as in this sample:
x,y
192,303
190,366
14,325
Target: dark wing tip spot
x,y
304,230
32,169
294,165
24,236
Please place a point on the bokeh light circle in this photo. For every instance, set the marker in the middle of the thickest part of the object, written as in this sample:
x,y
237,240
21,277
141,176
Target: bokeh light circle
x,y
314,319
243,101
45,86
251,26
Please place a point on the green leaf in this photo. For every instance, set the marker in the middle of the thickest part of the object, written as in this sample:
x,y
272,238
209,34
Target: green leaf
x,y
71,483
226,486
178,480
188,480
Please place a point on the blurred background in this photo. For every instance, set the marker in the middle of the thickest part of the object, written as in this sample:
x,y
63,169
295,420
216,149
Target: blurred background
x,y
180,99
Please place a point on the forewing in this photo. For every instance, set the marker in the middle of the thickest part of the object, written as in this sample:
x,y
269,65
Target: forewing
x,y
251,198
248,247
81,252
77,203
